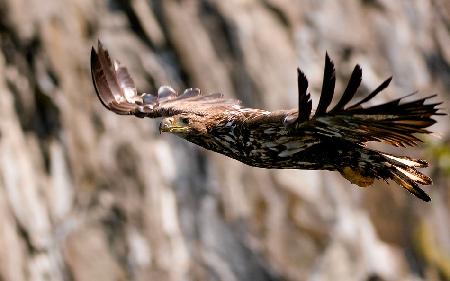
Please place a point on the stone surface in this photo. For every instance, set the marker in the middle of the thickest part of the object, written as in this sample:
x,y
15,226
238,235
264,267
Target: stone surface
x,y
88,195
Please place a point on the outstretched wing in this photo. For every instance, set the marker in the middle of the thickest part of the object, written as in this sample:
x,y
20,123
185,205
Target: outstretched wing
x,y
394,122
116,90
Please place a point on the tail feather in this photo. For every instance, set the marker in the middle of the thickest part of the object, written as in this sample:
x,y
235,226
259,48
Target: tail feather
x,y
403,171
407,161
362,165
409,184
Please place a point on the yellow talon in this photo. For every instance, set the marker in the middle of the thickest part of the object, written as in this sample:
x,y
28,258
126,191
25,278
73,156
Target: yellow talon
x,y
356,178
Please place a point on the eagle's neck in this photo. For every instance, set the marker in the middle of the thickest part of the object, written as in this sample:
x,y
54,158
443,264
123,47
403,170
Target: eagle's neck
x,y
230,135
225,138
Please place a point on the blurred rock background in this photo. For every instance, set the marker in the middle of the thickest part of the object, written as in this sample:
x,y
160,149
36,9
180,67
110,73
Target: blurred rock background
x,y
89,195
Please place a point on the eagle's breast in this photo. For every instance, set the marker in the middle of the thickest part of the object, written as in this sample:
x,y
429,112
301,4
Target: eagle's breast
x,y
266,145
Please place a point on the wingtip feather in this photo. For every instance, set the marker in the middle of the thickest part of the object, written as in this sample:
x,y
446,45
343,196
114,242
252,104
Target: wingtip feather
x,y
350,91
378,90
303,97
97,75
328,85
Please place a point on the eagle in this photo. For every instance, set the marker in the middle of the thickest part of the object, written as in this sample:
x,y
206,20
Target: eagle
x,y
332,139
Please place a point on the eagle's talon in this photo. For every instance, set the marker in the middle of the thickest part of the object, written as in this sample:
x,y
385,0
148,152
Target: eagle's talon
x,y
355,177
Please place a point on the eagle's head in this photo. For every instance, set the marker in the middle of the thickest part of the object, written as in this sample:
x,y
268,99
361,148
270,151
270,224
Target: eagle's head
x,y
184,125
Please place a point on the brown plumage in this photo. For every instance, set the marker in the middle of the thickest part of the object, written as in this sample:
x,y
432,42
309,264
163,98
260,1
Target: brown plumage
x,y
286,139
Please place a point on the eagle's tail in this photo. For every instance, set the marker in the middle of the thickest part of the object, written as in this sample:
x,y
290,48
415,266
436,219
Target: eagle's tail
x,y
403,171
373,164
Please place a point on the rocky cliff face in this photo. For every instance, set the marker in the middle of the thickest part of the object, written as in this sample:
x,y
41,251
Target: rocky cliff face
x,y
88,195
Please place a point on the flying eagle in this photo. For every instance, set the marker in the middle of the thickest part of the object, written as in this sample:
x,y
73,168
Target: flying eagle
x,y
330,139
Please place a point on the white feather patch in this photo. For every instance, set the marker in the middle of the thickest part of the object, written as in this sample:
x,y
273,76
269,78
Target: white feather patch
x,y
410,175
407,162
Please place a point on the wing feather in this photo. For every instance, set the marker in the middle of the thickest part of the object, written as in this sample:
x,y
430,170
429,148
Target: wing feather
x,y
304,98
101,86
350,90
378,90
329,82
116,90
394,122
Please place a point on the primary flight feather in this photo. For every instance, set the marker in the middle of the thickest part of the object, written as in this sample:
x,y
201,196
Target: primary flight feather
x,y
286,139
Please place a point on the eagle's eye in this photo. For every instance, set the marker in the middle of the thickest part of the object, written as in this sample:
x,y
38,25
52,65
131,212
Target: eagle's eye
x,y
184,120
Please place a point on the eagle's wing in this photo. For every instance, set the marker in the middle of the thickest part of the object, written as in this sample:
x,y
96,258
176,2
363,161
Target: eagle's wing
x,y
116,90
394,122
